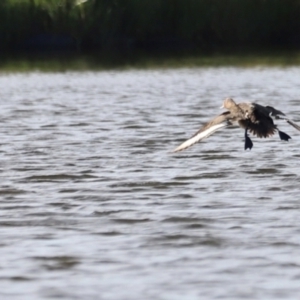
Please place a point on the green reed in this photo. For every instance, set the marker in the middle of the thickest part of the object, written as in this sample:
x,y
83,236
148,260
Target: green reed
x,y
149,24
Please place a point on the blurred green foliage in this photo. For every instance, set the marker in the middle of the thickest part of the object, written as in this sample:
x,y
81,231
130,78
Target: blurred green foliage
x,y
153,24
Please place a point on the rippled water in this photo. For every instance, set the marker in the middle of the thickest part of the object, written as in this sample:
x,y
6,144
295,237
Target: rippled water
x,y
94,206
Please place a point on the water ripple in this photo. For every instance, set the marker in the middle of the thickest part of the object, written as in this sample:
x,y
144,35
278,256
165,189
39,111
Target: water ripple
x,y
95,206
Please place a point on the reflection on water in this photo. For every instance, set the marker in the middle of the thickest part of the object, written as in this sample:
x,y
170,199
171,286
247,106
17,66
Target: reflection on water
x,y
94,206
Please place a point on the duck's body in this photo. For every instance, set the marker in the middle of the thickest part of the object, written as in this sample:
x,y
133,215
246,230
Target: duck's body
x,y
252,117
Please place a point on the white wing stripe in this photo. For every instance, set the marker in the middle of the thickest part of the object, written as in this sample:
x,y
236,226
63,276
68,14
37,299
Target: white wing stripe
x,y
200,136
295,125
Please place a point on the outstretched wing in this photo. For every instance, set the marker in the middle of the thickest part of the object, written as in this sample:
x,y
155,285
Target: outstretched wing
x,y
206,130
280,115
293,124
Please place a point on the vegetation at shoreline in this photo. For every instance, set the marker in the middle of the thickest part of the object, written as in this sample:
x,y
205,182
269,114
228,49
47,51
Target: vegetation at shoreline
x,y
152,24
62,63
151,32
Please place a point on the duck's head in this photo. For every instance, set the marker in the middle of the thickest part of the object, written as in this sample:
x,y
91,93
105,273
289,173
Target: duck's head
x,y
228,103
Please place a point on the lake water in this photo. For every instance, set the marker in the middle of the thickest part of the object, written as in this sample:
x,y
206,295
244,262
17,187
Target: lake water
x,y
94,206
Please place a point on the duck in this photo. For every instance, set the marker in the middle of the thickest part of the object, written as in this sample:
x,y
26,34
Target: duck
x,y
250,116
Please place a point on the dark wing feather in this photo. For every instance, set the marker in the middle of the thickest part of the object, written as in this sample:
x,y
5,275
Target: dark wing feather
x,y
278,115
259,122
274,112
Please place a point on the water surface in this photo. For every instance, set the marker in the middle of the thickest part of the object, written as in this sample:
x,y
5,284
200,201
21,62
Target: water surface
x,y
94,206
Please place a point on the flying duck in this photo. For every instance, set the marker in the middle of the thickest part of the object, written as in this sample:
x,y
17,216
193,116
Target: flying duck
x,y
252,117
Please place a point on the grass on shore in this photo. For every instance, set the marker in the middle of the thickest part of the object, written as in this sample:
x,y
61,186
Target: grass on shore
x,y
62,63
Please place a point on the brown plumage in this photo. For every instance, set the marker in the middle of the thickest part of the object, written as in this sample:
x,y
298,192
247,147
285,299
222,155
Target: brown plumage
x,y
252,117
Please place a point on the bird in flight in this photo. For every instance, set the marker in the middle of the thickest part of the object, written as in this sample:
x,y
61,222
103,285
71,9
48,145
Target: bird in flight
x,y
252,117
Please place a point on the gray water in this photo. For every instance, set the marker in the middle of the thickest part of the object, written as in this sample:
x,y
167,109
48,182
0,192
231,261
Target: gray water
x,y
94,206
